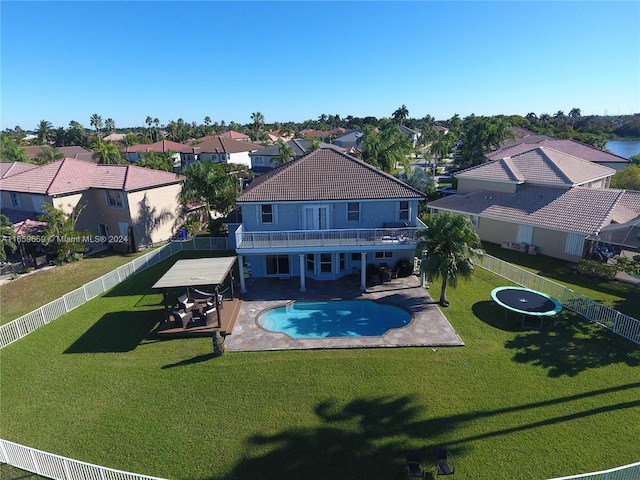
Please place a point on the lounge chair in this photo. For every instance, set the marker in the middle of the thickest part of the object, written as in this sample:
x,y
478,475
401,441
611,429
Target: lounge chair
x,y
444,462
414,463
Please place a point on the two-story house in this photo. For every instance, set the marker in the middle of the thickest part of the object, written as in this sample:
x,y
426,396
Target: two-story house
x,y
543,198
122,201
182,154
324,216
220,149
263,160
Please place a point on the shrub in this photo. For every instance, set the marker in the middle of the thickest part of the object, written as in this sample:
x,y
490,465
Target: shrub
x,y
592,268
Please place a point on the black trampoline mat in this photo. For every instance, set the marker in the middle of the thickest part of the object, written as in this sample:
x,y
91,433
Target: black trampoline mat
x,y
525,301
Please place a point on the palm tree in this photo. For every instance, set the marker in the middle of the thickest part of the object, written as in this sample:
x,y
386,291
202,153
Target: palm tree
x,y
574,113
48,155
258,121
442,146
110,124
385,149
285,154
450,245
43,130
400,115
7,237
107,153
96,121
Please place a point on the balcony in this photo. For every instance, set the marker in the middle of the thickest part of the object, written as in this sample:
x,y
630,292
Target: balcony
x,y
348,239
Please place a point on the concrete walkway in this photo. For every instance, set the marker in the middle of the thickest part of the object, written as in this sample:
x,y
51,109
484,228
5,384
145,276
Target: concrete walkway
x,y
428,328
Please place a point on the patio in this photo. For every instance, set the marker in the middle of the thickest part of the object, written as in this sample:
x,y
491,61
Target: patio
x,y
429,327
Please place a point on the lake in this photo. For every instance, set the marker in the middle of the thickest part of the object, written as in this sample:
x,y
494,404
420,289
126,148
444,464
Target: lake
x,y
624,148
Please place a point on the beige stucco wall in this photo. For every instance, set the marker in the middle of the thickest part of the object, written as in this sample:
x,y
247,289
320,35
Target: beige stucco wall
x,y
468,185
495,231
155,213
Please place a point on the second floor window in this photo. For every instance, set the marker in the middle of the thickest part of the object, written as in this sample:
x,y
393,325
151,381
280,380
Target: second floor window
x,y
258,160
266,212
403,212
353,212
114,199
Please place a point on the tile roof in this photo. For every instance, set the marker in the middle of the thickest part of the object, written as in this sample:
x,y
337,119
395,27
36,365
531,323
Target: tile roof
x,y
326,174
221,145
159,147
235,135
570,147
542,165
8,169
578,209
310,132
71,175
299,145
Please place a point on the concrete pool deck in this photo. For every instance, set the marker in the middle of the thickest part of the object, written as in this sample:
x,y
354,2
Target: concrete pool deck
x,y
428,328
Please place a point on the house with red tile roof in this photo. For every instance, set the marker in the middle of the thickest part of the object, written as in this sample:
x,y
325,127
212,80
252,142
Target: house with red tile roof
x,y
182,154
122,201
236,136
541,197
323,216
223,150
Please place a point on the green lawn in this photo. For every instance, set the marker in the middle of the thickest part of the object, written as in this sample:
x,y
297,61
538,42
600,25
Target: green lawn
x,y
29,292
96,385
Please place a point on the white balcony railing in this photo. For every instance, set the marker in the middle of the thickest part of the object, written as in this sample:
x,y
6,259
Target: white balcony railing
x,y
326,238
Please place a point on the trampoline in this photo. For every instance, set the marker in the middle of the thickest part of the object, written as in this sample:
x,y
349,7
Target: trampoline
x,y
527,302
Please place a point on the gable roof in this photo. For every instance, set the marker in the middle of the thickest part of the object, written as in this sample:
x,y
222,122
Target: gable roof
x,y
235,135
325,175
570,147
8,169
579,209
540,165
224,145
71,175
299,145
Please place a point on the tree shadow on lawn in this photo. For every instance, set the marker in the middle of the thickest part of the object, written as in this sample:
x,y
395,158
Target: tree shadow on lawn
x,y
117,332
369,438
573,346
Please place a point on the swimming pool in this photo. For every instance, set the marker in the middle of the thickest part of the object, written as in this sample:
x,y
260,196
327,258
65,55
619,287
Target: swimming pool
x,y
338,318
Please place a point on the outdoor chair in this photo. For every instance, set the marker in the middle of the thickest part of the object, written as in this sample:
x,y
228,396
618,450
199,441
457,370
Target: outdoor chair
x,y
444,462
186,303
211,316
414,463
183,317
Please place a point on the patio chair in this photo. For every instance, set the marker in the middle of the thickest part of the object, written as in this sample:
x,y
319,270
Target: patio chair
x,y
444,462
414,463
186,303
211,316
183,318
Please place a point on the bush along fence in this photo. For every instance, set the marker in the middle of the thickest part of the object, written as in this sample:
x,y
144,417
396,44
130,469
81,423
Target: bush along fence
x,y
18,328
624,325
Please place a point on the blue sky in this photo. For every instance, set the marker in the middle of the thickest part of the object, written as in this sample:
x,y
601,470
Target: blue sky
x,y
292,61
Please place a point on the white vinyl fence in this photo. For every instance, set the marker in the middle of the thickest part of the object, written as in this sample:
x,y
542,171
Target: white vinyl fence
x,y
18,328
60,468
624,325
628,472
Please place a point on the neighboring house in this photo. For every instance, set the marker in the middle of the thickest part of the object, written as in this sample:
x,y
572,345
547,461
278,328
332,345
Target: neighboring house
x,y
412,135
440,129
349,139
68,152
310,132
236,136
542,198
223,150
182,154
324,216
115,137
570,147
262,160
121,200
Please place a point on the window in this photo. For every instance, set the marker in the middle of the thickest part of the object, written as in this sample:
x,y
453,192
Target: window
x,y
311,262
325,263
356,256
277,264
114,199
341,261
15,200
258,160
353,212
525,234
575,244
266,213
38,203
384,255
403,213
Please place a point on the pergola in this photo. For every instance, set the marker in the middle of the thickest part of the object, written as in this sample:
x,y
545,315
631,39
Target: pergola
x,y
197,272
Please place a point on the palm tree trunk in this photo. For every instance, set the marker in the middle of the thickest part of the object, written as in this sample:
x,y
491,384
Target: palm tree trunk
x,y
443,293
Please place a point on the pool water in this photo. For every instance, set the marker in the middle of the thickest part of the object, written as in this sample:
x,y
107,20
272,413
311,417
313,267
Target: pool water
x,y
339,318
